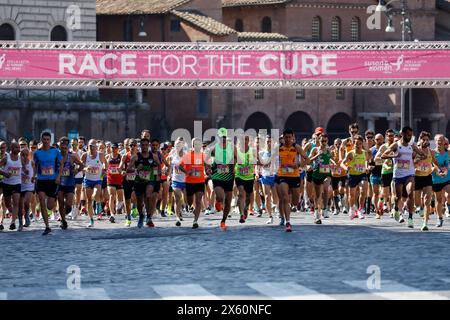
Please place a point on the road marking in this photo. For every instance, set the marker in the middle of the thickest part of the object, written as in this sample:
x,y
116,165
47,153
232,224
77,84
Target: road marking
x,y
287,291
83,294
3,296
393,290
184,292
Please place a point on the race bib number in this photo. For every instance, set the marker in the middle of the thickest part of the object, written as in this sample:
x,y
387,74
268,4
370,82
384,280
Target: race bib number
x,y
144,175
65,172
47,171
131,176
93,170
403,164
155,172
337,170
425,167
114,170
324,168
196,173
287,170
360,168
223,169
243,171
178,170
379,162
14,171
26,179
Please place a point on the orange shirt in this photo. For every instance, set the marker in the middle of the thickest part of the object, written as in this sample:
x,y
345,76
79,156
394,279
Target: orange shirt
x,y
194,162
288,156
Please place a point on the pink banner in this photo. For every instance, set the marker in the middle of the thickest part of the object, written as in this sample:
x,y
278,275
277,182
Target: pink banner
x,y
224,65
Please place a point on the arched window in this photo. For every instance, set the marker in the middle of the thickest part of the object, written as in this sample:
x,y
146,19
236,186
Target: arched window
x,y
7,32
58,33
239,25
316,32
266,25
355,29
336,29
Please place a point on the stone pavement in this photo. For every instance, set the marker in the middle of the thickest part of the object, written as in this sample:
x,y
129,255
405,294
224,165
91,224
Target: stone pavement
x,y
248,261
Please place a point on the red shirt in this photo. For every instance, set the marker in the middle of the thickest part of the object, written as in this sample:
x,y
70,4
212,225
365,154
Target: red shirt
x,y
194,164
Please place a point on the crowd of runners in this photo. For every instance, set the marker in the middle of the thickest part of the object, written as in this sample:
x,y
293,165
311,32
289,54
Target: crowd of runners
x,y
389,174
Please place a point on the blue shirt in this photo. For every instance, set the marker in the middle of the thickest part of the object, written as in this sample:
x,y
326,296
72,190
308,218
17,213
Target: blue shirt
x,y
443,161
47,163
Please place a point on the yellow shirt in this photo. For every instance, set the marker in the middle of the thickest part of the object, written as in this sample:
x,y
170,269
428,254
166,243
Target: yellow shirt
x,y
424,167
357,165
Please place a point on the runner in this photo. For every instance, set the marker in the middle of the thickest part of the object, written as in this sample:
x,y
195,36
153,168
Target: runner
x,y
355,162
12,171
26,189
387,172
375,168
369,144
268,163
178,178
94,163
222,174
424,178
66,188
288,178
49,165
338,180
129,177
193,163
321,160
114,181
402,152
441,177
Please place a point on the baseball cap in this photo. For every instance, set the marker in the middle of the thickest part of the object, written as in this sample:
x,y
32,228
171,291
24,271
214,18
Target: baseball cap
x,y
222,132
115,145
319,130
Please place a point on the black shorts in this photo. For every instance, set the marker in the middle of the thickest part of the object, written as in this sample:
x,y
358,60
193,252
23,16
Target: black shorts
x,y
227,186
439,186
292,182
335,182
66,189
79,181
355,180
23,193
140,188
309,177
247,184
193,188
386,179
318,181
423,182
117,186
49,187
9,190
128,188
104,183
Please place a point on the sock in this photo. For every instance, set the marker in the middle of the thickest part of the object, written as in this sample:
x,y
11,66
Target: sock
x,y
99,207
410,215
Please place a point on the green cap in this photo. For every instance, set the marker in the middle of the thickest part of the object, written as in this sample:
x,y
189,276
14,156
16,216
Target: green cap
x,y
222,132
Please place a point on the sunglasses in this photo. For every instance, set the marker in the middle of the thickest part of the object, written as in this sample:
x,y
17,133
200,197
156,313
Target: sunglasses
x,y
369,137
92,145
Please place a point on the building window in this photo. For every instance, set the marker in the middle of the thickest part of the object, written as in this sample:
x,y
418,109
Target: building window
x,y
239,25
259,94
340,94
355,29
58,33
175,25
7,32
266,25
202,102
336,29
316,32
127,30
300,94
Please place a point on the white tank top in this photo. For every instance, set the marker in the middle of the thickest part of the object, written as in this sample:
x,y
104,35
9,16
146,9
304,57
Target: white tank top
x,y
177,174
27,185
79,174
94,168
14,168
404,164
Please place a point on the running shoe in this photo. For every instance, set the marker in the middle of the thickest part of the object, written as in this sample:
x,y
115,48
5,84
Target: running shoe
x,y
27,221
150,223
288,227
178,223
260,213
410,223
242,219
223,226
345,211
127,223
163,214
63,225
195,225
378,216
282,221
12,226
402,220
140,222
91,223
134,212
335,212
397,215
424,228
20,227
353,214
270,221
447,214
2,227
46,231
112,219
440,223
99,216
326,215
317,221
251,212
